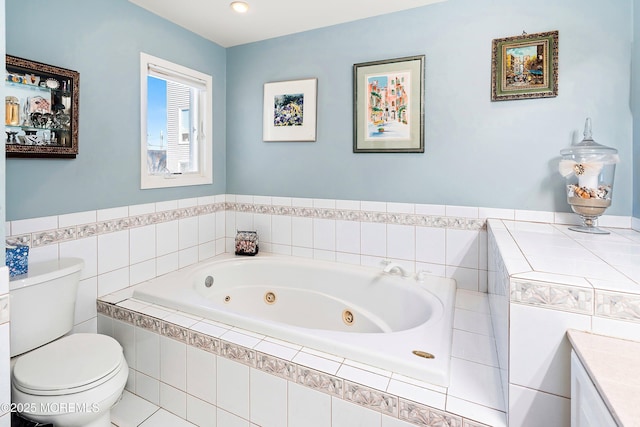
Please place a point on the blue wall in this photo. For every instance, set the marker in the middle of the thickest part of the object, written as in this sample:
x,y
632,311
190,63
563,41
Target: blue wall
x,y
478,153
635,107
102,40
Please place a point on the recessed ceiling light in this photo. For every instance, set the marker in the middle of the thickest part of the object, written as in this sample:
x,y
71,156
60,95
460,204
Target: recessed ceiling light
x,y
240,6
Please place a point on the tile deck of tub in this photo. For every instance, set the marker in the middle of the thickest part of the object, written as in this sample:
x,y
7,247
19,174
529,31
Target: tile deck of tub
x,y
474,392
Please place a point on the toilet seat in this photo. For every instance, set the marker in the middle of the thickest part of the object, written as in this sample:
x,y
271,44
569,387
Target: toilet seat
x,y
69,365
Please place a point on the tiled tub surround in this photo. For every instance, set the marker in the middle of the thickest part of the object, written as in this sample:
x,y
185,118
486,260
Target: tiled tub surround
x,y
543,280
128,245
360,313
205,371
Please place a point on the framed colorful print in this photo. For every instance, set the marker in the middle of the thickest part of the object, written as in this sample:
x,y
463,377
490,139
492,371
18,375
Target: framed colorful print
x,y
289,111
525,67
388,106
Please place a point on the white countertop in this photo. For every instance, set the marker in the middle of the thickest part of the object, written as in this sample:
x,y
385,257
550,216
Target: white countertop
x,y
614,367
552,252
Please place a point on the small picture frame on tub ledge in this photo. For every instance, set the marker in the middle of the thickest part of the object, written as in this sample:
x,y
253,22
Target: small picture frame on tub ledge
x,y
247,243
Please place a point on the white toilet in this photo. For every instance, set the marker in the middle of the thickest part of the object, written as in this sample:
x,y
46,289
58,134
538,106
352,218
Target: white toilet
x,y
72,381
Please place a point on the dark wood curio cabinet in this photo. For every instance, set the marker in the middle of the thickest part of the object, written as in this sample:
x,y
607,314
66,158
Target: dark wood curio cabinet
x,y
41,109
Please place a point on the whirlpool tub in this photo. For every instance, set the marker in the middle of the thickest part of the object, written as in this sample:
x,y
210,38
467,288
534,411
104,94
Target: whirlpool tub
x,y
400,324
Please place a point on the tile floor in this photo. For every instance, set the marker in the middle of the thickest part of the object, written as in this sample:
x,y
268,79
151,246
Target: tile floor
x,y
474,392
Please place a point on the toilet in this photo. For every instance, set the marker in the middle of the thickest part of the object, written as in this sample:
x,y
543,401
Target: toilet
x,y
68,380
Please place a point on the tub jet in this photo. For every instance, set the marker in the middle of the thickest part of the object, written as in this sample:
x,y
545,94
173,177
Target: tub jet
x,y
270,298
347,317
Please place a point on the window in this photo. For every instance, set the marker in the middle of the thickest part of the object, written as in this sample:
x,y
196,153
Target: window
x,y
176,130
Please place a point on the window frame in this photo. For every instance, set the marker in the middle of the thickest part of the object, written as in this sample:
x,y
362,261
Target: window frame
x,y
204,141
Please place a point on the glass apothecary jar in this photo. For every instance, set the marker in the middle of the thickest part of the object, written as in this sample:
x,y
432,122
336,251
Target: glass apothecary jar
x,y
589,169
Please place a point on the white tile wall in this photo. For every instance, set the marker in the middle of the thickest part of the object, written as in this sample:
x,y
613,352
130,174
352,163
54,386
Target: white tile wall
x,y
167,237
308,408
142,244
268,397
543,280
173,400
173,363
233,387
147,353
113,251
532,408
200,413
201,375
349,414
539,350
116,258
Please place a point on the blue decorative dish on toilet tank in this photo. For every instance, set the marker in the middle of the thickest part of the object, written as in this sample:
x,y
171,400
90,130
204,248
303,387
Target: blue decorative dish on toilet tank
x,y
17,259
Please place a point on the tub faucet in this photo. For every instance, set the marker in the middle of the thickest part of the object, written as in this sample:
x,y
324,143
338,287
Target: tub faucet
x,y
394,268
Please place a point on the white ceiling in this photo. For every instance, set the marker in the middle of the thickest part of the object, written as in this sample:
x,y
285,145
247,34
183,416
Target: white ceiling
x,y
214,19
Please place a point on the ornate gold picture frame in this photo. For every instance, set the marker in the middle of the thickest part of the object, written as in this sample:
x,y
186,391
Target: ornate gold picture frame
x,y
525,66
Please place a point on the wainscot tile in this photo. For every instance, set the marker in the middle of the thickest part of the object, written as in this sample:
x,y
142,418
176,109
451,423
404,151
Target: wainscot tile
x,y
276,366
204,342
319,381
370,398
174,331
238,353
425,416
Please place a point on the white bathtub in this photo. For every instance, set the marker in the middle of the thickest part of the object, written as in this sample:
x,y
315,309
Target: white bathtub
x,y
358,313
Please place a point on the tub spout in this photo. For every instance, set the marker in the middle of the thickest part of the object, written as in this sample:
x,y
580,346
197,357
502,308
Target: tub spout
x,y
393,268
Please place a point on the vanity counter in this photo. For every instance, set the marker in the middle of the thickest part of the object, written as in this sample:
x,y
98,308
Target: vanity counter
x,y
613,365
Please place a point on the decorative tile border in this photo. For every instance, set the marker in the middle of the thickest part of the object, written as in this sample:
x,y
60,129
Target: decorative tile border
x,y
43,238
362,216
276,366
553,295
373,399
422,415
204,342
49,237
618,306
319,381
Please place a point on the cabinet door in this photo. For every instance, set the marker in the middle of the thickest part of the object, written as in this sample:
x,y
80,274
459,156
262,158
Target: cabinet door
x,y
587,407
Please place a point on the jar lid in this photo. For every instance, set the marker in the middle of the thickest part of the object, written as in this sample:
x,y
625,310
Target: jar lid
x,y
588,149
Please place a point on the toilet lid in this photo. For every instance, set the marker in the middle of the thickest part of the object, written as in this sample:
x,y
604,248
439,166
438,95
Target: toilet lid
x,y
72,362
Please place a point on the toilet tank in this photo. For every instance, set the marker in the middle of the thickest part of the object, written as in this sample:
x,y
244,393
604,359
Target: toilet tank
x,y
42,303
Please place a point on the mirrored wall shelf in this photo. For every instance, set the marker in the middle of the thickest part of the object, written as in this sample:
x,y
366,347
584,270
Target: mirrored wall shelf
x,y
41,109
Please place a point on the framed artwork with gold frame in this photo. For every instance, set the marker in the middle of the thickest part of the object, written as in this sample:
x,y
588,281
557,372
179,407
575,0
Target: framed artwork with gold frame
x,y
525,67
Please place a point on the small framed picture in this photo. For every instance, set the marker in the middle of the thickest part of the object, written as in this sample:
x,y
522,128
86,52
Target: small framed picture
x,y
388,106
525,67
289,111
